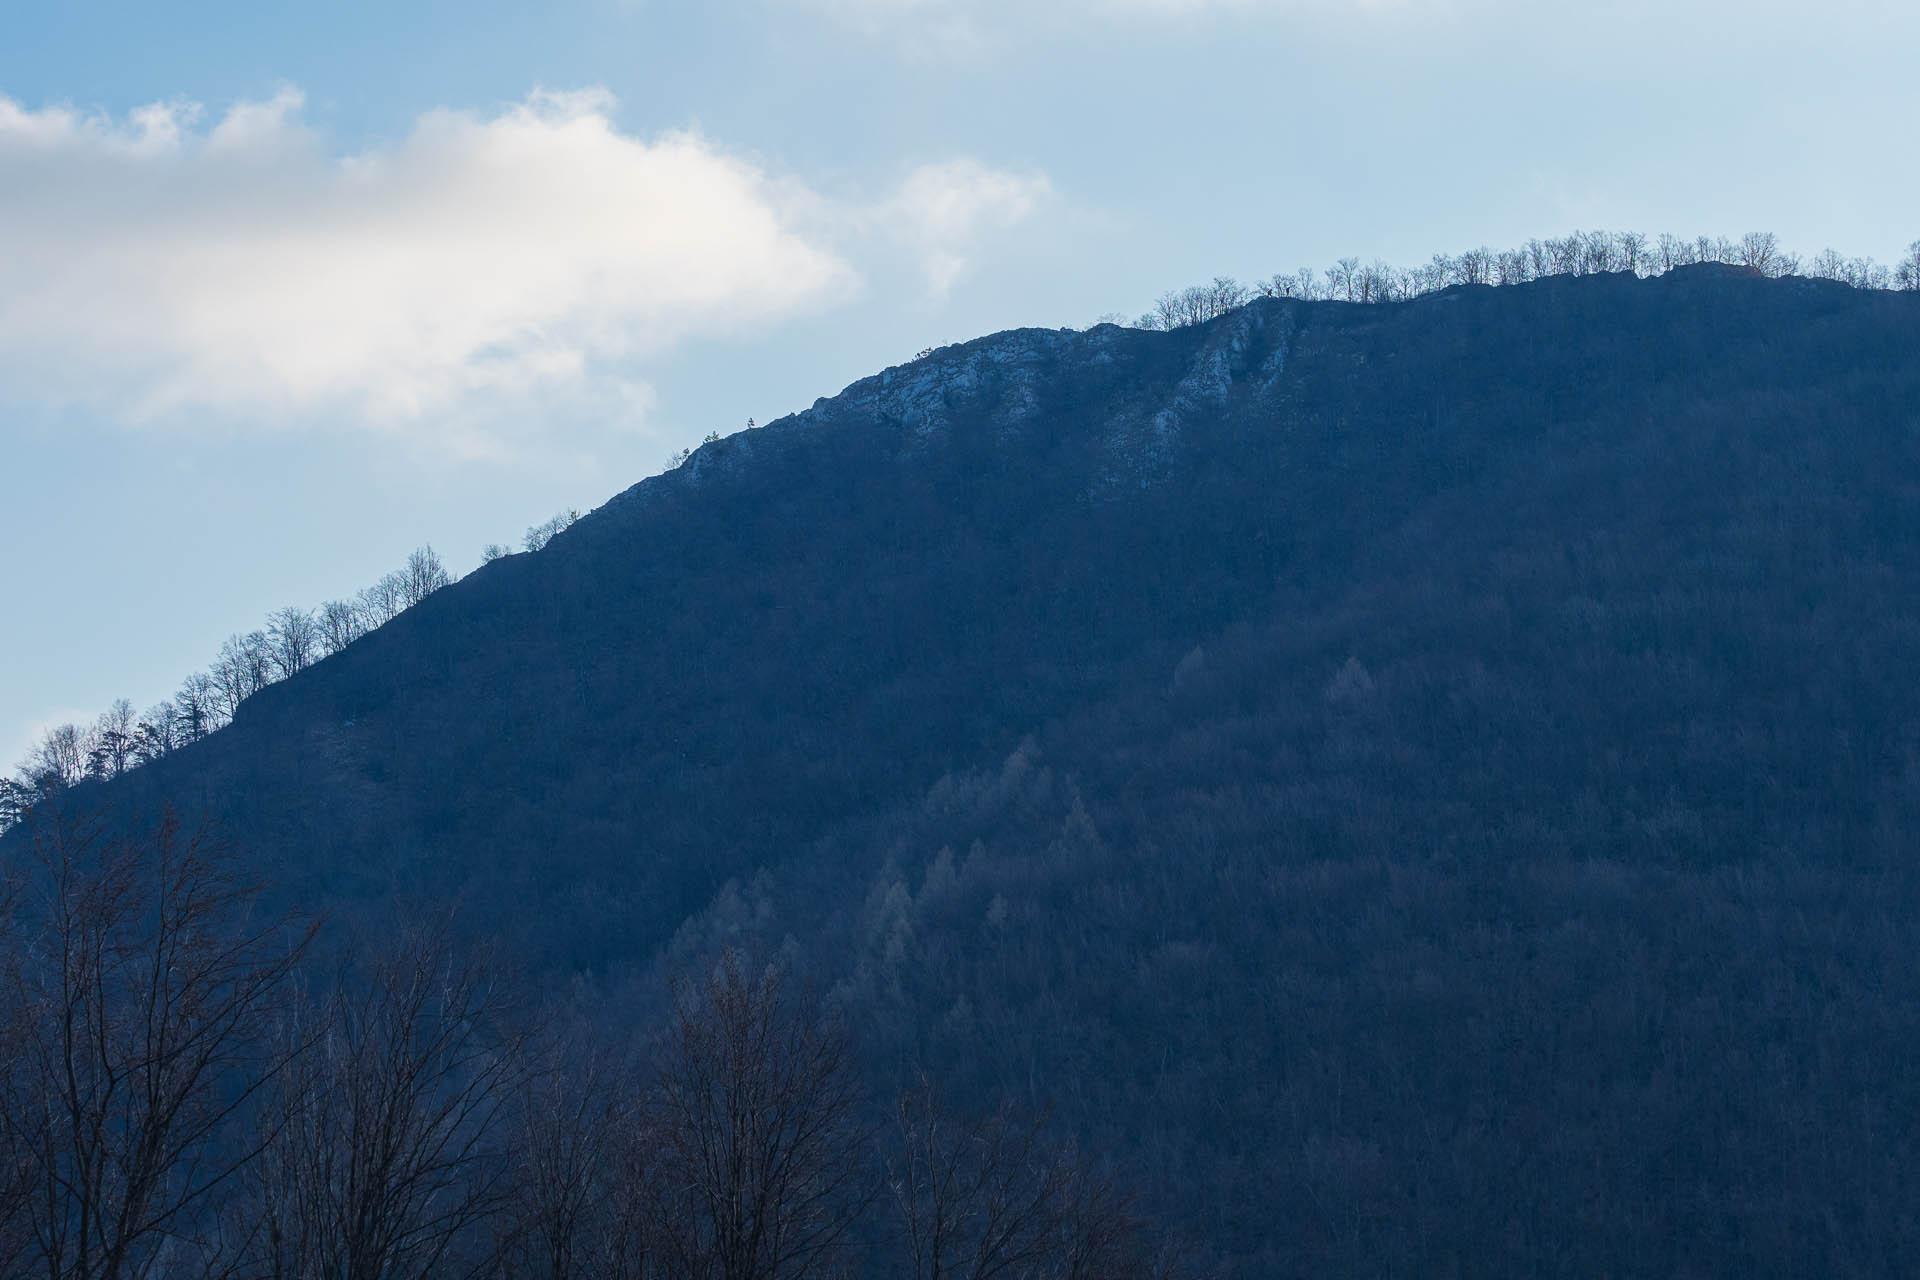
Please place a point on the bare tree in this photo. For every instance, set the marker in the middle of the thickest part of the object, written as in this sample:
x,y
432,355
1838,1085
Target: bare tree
x,y
16,1164
1477,266
59,759
581,1151
158,733
243,669
384,1160
975,1200
137,998
1599,253
1631,252
1100,1231
1307,284
1434,276
541,534
1380,283
992,1198
422,576
759,1147
113,741
17,799
197,707
1282,284
382,602
340,623
1907,274
1196,304
293,640
1567,255
1340,279
1760,250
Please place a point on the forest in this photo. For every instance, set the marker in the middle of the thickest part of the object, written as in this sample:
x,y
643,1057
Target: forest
x,y
191,1091
1414,785
295,637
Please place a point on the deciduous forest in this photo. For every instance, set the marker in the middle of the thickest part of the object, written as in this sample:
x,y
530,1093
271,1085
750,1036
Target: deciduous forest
x,y
1332,779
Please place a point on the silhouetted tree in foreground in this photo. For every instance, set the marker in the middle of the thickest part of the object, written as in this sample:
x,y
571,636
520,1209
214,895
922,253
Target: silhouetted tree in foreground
x,y
383,1160
136,999
174,1102
990,1197
578,1136
758,1158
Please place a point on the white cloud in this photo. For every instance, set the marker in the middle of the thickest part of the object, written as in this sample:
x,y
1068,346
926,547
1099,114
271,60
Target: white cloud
x,y
152,266
943,212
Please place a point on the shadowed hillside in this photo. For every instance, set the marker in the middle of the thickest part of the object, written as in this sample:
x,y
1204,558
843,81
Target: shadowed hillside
x,y
1436,783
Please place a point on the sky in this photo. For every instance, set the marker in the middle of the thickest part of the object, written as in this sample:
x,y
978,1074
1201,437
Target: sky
x,y
287,291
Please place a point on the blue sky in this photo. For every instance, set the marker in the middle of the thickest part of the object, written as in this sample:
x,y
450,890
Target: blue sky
x,y
286,291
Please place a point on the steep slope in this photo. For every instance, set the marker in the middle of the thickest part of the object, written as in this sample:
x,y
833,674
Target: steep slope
x,y
1435,781
1540,900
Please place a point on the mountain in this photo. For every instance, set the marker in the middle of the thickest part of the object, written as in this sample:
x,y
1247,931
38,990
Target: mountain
x,y
1436,784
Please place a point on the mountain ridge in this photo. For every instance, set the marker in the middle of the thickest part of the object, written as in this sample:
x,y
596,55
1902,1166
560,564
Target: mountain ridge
x,y
1433,784
976,398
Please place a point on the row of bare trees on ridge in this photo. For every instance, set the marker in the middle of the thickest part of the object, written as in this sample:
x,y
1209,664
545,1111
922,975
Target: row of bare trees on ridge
x,y
1580,253
292,639
188,1090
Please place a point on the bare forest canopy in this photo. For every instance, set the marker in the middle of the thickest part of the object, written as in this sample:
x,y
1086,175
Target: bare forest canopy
x,y
186,1094
1416,789
293,639
1580,253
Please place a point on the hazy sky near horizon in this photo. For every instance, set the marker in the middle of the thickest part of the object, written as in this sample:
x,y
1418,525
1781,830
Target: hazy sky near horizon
x,y
287,291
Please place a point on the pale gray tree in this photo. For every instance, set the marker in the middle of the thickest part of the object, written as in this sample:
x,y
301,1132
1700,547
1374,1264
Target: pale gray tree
x,y
382,602
197,707
539,535
114,741
244,668
293,640
59,758
422,575
340,623
1760,251
158,733
1631,252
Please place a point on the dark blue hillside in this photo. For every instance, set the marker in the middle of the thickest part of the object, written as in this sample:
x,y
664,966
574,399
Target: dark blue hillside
x,y
1436,783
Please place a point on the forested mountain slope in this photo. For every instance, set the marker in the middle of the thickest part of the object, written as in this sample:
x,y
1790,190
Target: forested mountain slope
x,y
1438,783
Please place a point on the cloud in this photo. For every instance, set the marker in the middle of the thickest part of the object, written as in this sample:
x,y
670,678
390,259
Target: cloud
x,y
156,266
943,212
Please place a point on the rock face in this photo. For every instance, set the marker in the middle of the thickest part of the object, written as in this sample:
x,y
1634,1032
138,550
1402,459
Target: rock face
x,y
1007,384
1434,782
